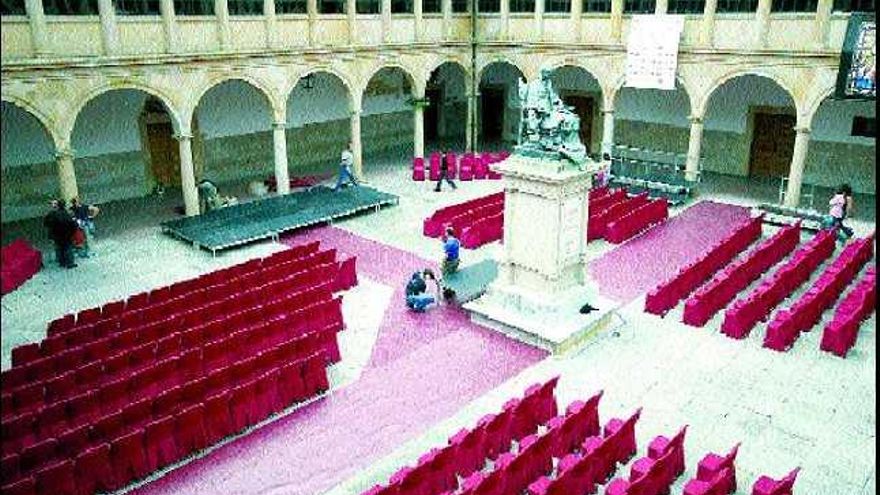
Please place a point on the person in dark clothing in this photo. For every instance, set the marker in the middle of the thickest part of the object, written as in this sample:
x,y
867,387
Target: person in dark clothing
x,y
444,174
417,298
61,227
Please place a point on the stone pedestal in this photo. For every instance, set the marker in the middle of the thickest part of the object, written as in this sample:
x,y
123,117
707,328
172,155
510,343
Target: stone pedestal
x,y
542,280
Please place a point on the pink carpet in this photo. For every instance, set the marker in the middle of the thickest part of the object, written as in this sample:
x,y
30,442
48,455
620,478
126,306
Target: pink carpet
x,y
638,266
423,369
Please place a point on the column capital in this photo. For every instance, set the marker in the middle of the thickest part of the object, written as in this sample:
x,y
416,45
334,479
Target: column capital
x,y
608,112
63,153
355,112
181,136
696,119
279,124
802,130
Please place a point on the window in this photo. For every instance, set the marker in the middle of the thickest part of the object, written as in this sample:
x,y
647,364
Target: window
x,y
12,7
639,6
245,7
522,5
431,6
331,6
290,7
557,6
70,7
368,6
194,7
460,6
864,127
401,7
686,6
732,6
489,6
853,5
597,6
793,6
138,7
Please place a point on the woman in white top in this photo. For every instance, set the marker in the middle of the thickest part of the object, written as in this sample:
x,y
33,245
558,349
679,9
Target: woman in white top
x,y
841,205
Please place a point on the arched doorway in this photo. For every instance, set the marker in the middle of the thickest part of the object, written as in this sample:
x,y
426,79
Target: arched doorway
x,y
29,171
318,124
387,123
580,90
499,116
446,113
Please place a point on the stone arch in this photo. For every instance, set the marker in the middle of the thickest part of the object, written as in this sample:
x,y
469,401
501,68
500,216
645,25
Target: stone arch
x,y
49,125
276,107
342,77
812,107
481,70
165,98
417,87
681,83
431,68
703,103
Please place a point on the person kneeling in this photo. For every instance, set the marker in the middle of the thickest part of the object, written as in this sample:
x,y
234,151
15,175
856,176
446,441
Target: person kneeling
x,y
417,297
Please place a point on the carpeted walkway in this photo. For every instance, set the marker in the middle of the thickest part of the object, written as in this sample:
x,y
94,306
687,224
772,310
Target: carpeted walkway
x,y
639,265
423,369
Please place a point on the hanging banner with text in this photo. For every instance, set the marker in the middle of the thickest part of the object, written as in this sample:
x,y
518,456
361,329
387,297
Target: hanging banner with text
x,y
652,51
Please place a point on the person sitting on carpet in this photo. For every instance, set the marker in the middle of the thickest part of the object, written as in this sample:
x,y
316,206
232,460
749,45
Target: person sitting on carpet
x,y
451,246
417,298
345,174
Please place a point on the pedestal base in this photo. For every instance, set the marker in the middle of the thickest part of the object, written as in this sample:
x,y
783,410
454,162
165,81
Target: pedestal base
x,y
555,325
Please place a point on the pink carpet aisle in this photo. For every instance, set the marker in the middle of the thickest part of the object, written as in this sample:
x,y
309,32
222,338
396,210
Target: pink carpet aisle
x,y
639,265
423,369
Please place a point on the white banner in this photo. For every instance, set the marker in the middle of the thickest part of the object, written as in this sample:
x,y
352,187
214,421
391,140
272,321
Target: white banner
x,y
652,51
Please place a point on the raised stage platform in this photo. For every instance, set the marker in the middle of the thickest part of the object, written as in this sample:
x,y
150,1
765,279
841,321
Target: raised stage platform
x,y
268,218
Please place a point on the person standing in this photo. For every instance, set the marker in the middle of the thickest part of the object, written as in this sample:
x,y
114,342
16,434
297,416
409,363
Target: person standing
x,y
61,227
841,205
85,217
444,173
451,247
345,174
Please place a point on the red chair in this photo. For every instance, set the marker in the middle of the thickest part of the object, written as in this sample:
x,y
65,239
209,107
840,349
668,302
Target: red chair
x,y
265,395
217,421
60,386
18,432
108,427
712,464
83,408
61,325
28,398
160,444
315,374
113,309
621,436
659,447
10,469
138,414
765,485
168,402
241,406
114,395
466,167
38,454
40,369
88,316
73,441
26,353
291,386
717,485
57,479
418,173
128,456
24,486
94,470
190,429
52,419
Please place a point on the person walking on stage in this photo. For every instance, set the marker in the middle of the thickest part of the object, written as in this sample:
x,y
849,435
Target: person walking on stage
x,y
61,227
345,174
444,174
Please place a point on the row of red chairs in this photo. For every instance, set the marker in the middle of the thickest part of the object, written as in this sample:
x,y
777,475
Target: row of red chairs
x,y
745,312
637,220
841,332
467,451
788,323
654,473
434,225
600,217
483,231
222,317
711,297
144,442
470,166
667,295
192,291
48,417
19,261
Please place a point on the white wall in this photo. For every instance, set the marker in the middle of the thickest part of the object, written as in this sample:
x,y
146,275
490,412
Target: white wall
x,y
24,140
109,124
654,106
233,108
833,121
327,100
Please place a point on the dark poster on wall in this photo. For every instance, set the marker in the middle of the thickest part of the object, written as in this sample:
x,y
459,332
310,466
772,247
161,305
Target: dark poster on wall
x,y
857,76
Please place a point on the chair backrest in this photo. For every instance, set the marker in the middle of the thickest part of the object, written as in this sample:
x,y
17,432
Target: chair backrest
x,y
786,484
677,442
731,456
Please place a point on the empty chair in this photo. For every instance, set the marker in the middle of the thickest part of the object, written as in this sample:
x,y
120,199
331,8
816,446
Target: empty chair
x,y
38,454
711,464
113,309
72,441
622,437
24,486
167,403
128,456
217,421
57,479
719,484
659,447
61,325
52,419
108,427
10,468
28,398
190,429
138,414
114,395
26,353
159,443
766,485
83,408
88,316
94,470
242,405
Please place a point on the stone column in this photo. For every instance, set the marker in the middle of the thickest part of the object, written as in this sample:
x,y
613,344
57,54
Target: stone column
x,y
221,9
539,19
66,174
187,175
279,138
312,11
417,14
470,122
661,7
504,12
37,22
169,25
109,32
798,161
823,15
418,129
386,21
616,20
607,131
271,23
446,7
351,15
577,10
762,22
707,28
356,147
692,167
